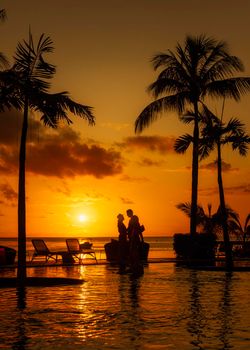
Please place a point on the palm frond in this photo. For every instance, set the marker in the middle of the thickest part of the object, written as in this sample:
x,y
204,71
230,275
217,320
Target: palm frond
x,y
165,85
188,117
208,117
206,146
182,143
246,226
222,68
234,228
170,61
238,142
78,109
235,126
229,88
196,49
55,107
9,96
30,61
185,208
216,51
4,63
162,59
151,112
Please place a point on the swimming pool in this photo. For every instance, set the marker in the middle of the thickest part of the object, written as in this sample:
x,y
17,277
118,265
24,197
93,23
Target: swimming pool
x,y
167,308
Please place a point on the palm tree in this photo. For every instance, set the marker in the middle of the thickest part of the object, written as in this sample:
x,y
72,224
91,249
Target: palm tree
x,y
29,82
207,222
203,67
242,231
215,134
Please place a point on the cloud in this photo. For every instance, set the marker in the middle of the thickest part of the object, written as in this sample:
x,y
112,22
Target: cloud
x,y
244,189
65,159
126,200
60,153
115,126
8,193
185,169
154,143
226,167
133,179
237,189
10,127
8,159
88,198
149,162
64,189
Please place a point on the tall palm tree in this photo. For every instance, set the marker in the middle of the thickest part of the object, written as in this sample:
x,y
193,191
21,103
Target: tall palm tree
x,y
216,134
202,67
29,82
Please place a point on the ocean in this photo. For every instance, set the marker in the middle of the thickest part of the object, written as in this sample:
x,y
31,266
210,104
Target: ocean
x,y
160,246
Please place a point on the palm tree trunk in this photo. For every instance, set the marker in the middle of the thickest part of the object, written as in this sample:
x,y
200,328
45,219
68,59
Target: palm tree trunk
x,y
228,249
195,165
21,268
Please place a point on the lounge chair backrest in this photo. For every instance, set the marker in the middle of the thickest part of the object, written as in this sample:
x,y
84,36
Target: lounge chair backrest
x,y
73,245
40,246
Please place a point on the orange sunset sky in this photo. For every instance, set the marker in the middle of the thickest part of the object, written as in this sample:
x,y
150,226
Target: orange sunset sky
x,y
79,178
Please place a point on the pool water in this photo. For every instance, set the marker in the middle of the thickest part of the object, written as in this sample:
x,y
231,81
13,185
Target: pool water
x,y
167,308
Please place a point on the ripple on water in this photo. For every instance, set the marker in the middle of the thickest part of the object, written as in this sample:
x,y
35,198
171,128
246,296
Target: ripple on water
x,y
167,308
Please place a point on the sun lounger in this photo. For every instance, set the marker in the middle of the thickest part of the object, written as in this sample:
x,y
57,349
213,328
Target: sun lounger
x,y
41,249
77,251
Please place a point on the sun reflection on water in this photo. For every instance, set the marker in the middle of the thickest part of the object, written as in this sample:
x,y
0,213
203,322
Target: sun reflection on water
x,y
168,307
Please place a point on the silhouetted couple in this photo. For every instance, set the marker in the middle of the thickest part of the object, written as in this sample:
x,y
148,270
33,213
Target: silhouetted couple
x,y
130,241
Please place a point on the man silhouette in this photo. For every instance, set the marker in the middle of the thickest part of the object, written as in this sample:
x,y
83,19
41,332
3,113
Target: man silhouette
x,y
135,239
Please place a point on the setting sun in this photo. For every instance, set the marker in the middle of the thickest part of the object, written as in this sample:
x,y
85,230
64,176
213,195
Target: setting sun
x,y
82,218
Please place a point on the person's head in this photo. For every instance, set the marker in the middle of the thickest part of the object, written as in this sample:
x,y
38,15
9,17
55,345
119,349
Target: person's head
x,y
130,213
120,217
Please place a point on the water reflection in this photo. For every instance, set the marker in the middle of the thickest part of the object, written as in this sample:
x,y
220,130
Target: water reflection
x,y
21,297
226,315
163,309
132,323
197,318
20,340
203,326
